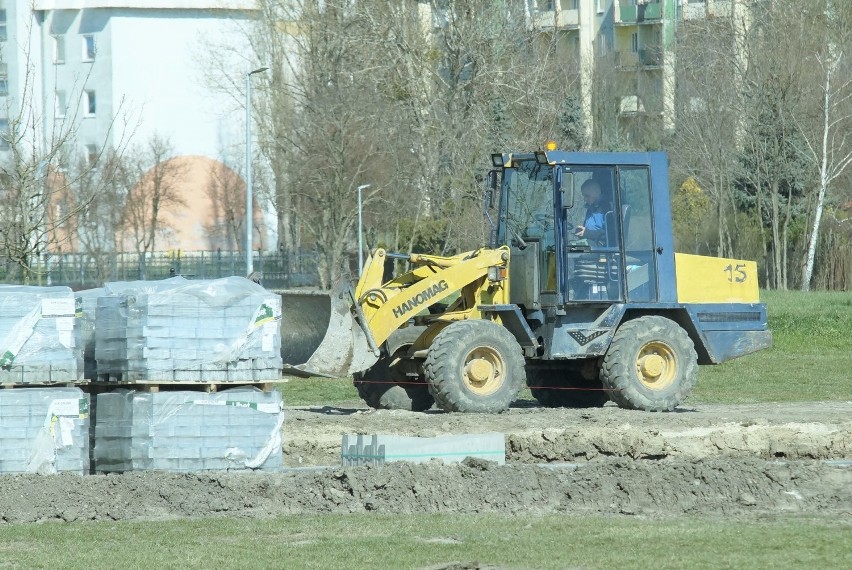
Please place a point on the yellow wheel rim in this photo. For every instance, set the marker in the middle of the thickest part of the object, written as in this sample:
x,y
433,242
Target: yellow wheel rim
x,y
656,366
484,371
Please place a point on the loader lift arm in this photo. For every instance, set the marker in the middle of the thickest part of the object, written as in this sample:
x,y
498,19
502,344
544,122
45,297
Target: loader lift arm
x,y
477,276
341,332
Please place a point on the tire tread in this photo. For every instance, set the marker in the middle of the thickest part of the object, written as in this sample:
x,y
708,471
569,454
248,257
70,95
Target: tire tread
x,y
617,373
446,386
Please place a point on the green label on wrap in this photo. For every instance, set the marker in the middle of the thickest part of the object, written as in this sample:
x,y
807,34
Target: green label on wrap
x,y
265,314
6,360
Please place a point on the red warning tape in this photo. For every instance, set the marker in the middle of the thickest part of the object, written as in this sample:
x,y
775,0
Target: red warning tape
x,y
531,387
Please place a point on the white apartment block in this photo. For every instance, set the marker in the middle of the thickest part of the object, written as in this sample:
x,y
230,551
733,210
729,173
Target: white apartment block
x,y
140,59
119,68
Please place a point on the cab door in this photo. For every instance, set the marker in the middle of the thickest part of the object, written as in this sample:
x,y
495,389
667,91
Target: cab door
x,y
590,235
637,225
616,261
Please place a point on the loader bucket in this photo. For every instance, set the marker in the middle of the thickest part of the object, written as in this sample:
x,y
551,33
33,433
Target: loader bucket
x,y
319,335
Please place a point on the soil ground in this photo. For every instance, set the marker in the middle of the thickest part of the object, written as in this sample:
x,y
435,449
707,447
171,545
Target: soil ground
x,y
725,460
810,430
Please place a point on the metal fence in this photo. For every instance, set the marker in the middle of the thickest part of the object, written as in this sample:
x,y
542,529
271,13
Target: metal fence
x,y
85,271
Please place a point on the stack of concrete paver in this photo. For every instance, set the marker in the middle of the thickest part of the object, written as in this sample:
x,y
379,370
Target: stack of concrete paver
x,y
44,430
236,429
222,330
87,304
39,342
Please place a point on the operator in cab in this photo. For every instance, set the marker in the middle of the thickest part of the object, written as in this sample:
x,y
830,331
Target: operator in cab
x,y
594,222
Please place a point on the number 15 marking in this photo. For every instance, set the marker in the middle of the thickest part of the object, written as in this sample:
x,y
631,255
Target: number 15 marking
x,y
736,273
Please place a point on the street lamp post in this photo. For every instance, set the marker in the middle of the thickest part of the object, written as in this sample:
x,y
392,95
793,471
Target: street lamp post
x,y
360,232
249,200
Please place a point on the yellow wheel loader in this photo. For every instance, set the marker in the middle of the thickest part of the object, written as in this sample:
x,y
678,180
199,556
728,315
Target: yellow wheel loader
x,y
579,295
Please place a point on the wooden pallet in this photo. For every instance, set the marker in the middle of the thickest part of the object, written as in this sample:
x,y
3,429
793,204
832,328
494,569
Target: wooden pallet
x,y
201,386
188,376
10,385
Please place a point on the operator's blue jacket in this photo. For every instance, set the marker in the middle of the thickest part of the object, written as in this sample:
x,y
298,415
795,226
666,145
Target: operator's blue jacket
x,y
595,222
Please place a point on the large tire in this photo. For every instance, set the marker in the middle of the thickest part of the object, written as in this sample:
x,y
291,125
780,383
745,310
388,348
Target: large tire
x,y
475,366
651,365
385,386
565,389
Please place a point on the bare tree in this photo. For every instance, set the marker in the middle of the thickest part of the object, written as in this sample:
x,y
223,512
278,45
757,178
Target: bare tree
x,y
709,113
37,173
786,94
410,97
275,109
95,228
741,98
830,145
151,190
227,194
460,81
267,40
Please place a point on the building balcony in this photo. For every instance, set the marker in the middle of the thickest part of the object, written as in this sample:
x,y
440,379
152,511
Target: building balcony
x,y
634,106
693,11
649,13
649,58
720,8
704,10
556,19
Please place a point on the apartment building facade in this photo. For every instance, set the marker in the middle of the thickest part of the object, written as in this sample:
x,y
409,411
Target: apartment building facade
x,y
628,43
115,73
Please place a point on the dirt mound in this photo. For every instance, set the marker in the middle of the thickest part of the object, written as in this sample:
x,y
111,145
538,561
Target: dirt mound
x,y
789,441
808,430
708,460
721,486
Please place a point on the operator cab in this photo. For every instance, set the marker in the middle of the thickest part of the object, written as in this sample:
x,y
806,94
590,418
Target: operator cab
x,y
581,231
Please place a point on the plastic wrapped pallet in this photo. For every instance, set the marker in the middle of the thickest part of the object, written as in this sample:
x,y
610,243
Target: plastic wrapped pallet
x,y
39,339
87,303
44,430
222,330
237,429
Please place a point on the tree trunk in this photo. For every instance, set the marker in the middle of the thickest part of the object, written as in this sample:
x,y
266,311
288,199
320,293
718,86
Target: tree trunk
x,y
807,274
776,238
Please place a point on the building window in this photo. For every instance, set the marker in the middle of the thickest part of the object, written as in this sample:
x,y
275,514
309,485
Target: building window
x,y
4,134
91,155
2,25
575,4
90,105
600,7
61,104
4,80
634,42
602,45
58,49
89,48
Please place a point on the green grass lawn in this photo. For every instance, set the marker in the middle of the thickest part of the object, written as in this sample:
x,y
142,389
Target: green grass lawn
x,y
811,356
401,541
811,359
